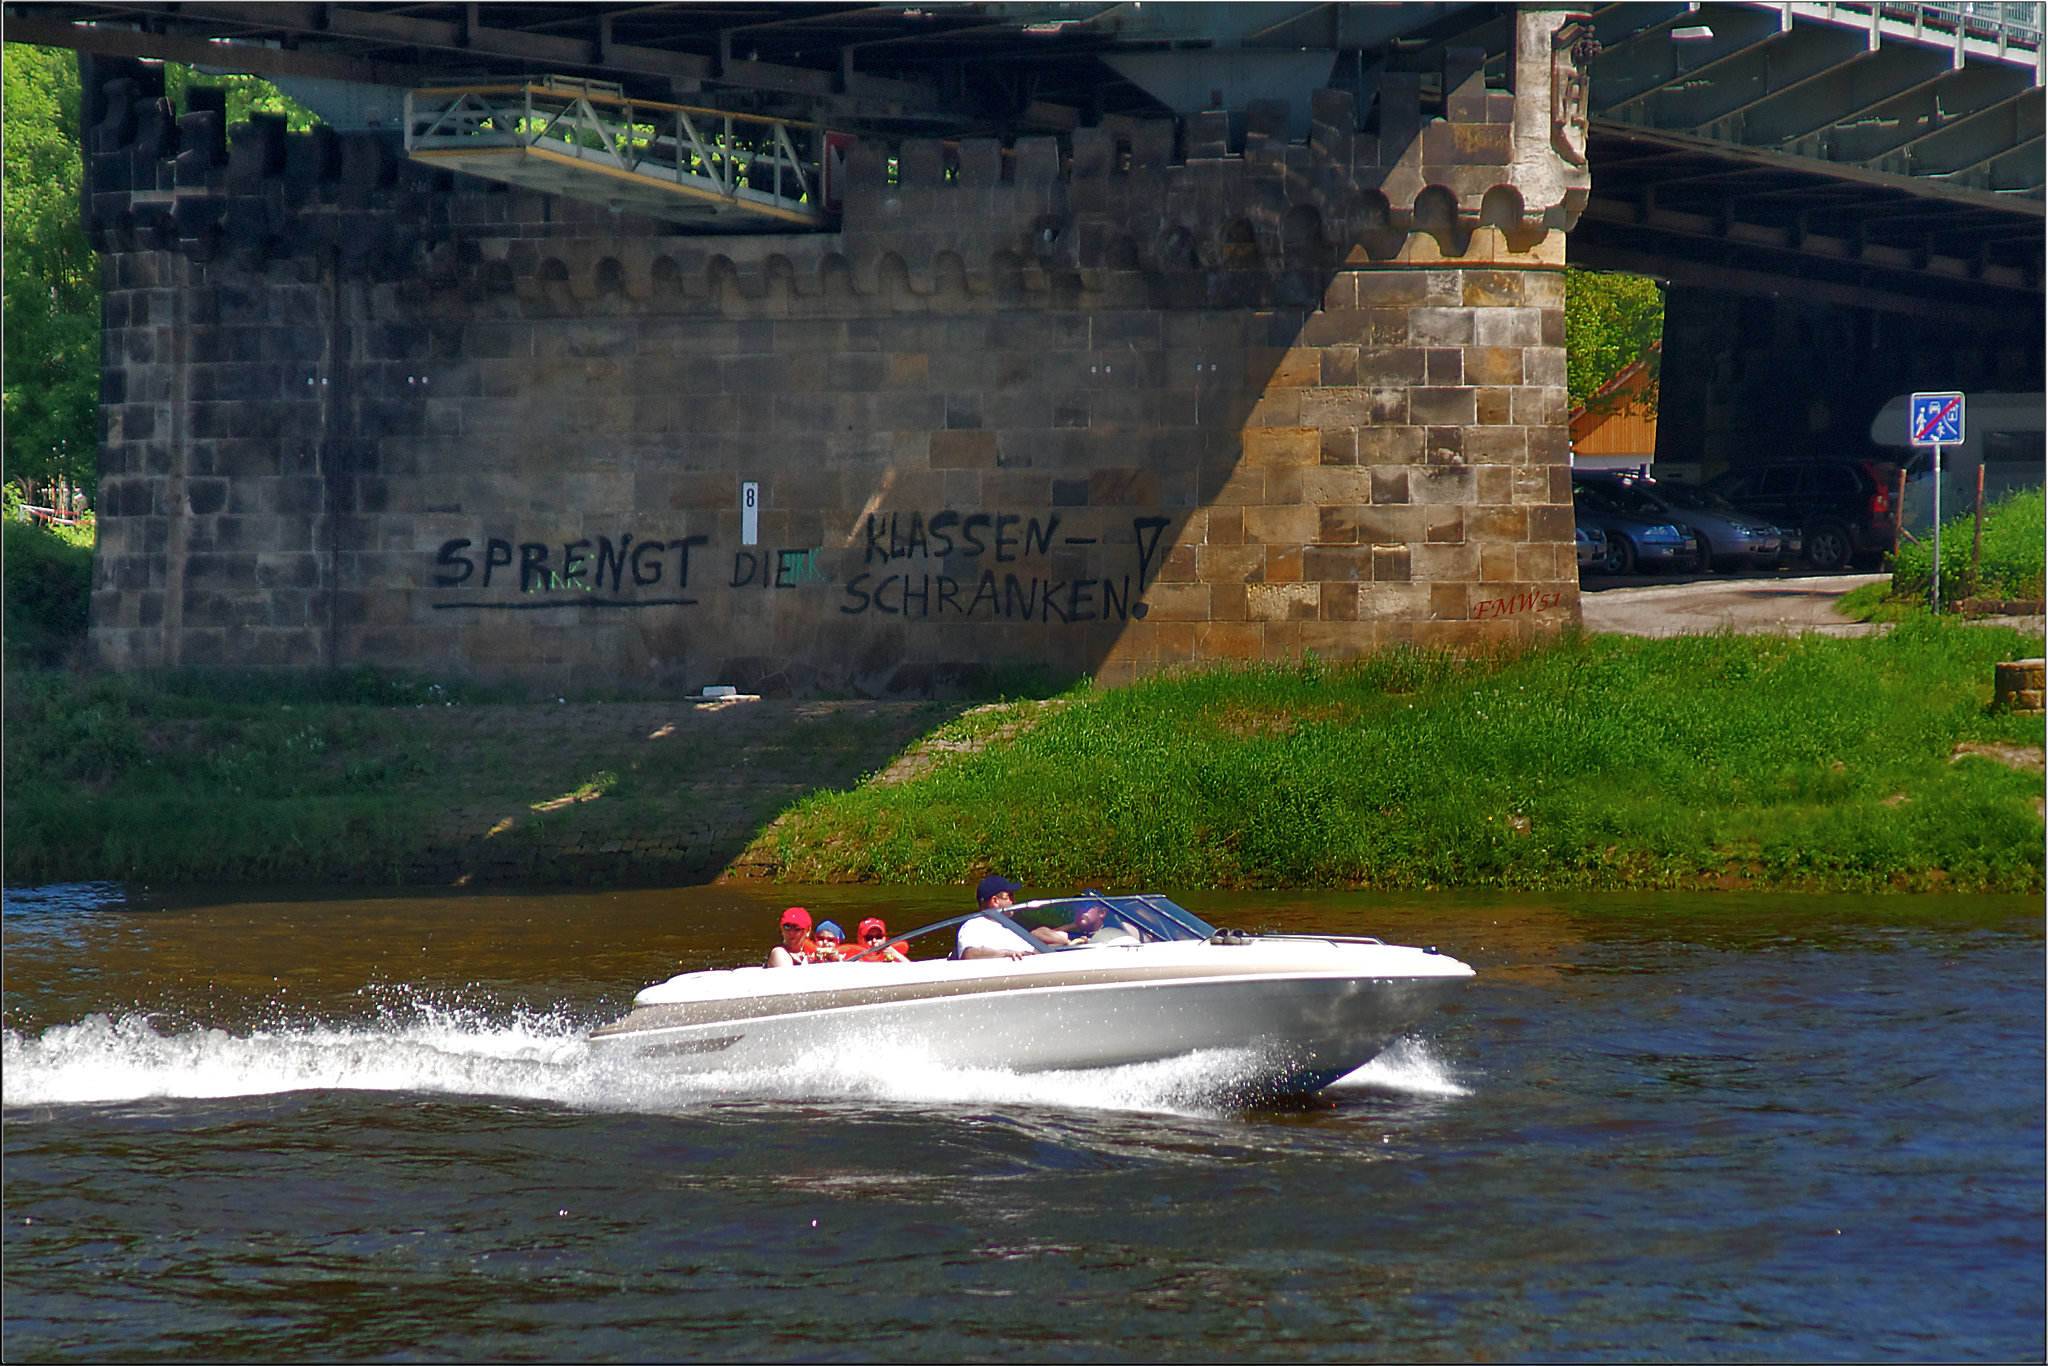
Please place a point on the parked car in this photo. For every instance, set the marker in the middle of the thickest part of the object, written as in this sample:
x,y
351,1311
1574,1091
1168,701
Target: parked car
x,y
1844,509
1634,541
1722,534
1592,542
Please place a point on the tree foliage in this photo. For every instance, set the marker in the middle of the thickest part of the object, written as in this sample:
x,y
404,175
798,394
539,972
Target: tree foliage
x,y
51,281
49,594
1610,322
246,95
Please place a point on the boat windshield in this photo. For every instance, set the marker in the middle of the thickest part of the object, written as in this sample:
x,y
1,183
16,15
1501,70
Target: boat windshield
x,y
1104,919
1090,920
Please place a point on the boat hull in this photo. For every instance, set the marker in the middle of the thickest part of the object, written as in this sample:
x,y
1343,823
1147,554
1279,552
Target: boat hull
x,y
1290,1028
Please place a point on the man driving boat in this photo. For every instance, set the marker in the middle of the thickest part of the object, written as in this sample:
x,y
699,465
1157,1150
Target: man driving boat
x,y
981,937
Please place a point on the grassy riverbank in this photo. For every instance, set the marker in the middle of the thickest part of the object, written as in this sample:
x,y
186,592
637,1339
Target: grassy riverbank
x,y
1598,762
367,777
1601,762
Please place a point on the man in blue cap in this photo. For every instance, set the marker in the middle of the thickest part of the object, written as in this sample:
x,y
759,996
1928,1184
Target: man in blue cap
x,y
981,937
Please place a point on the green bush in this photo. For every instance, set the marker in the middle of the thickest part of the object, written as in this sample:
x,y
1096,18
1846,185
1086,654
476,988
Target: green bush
x,y
48,591
2011,565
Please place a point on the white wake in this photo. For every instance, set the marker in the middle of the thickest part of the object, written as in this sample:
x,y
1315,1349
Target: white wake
x,y
436,1050
1408,1067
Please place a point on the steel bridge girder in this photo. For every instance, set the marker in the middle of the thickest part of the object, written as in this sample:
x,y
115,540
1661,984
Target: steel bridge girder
x,y
2020,170
1748,79
1845,95
1639,64
1969,144
1895,126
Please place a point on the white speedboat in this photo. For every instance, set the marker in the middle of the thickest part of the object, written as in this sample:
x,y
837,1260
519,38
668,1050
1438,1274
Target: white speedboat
x,y
1150,981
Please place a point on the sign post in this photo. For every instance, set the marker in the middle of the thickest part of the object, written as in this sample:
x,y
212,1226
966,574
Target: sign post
x,y
1935,420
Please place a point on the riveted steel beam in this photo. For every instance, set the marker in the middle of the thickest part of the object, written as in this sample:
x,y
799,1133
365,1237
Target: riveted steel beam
x,y
1717,108
105,40
1958,150
2018,170
321,38
1845,171
1692,68
1844,95
1688,249
1894,127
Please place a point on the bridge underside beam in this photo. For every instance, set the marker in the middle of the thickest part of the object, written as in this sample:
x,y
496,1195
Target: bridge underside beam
x,y
1852,95
1955,147
1958,246
422,44
1855,100
1733,268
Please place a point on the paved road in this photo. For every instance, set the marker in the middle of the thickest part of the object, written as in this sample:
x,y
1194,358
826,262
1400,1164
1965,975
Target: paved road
x,y
1753,606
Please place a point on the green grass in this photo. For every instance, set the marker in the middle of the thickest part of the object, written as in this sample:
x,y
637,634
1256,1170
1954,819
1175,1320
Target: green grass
x,y
1598,762
369,776
1595,762
190,776
2009,567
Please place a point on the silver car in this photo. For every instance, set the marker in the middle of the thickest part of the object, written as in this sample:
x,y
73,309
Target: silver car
x,y
1592,543
1635,541
1723,535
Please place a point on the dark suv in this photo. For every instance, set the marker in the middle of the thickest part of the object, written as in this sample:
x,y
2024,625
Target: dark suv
x,y
1844,509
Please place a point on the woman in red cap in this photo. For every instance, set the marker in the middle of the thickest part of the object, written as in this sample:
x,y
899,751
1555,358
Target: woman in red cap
x,y
796,946
873,934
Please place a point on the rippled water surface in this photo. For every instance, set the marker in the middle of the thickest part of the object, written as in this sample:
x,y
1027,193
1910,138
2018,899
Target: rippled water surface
x,y
1786,1127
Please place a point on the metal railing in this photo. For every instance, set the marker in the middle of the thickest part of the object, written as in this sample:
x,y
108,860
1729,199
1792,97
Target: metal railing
x,y
1997,30
746,160
1998,20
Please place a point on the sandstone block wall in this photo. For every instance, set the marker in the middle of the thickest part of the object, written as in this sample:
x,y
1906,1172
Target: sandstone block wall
x,y
1154,394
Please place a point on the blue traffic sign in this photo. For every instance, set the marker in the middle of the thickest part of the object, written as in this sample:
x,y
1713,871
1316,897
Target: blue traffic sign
x,y
1935,420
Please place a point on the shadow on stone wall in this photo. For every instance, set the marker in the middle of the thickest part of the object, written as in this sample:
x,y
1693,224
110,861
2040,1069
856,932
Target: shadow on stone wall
x,y
1228,402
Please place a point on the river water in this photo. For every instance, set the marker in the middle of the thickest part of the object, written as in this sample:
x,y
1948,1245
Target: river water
x,y
1695,1127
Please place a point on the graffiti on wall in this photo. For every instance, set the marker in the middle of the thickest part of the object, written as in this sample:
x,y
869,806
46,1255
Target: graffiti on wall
x,y
591,569
966,548
923,565
775,568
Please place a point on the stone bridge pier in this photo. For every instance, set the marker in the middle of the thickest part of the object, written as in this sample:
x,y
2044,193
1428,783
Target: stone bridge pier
x,y
1149,394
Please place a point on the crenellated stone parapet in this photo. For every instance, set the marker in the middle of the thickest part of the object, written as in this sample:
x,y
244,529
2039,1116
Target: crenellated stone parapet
x,y
1219,191
1225,190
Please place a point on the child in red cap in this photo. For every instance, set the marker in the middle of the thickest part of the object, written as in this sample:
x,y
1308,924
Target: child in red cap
x,y
873,934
